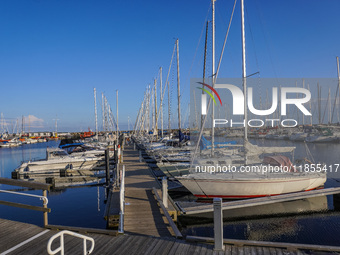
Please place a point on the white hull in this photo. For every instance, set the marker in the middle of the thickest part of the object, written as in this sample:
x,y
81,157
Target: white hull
x,y
55,164
8,145
235,188
298,137
321,139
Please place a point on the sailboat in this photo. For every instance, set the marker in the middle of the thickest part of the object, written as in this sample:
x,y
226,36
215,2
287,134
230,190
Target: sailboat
x,y
274,176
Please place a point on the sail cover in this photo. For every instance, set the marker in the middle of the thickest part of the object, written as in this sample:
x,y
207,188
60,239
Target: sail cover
x,y
279,161
252,149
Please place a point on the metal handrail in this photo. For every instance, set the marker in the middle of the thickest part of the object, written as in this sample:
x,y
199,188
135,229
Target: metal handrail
x,y
61,247
122,202
25,194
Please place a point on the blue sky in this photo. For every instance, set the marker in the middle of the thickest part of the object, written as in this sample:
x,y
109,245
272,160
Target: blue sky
x,y
53,53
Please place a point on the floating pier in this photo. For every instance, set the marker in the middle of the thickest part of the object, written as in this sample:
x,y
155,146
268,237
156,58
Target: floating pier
x,y
197,208
22,238
142,214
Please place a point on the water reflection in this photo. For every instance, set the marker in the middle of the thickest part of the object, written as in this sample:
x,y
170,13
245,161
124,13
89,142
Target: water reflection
x,y
313,220
81,206
308,205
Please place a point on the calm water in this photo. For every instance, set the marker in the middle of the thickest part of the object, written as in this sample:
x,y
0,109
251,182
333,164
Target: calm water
x,y
81,206
313,221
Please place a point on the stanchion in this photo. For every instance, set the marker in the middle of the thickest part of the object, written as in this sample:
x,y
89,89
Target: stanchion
x,y
107,166
165,191
218,225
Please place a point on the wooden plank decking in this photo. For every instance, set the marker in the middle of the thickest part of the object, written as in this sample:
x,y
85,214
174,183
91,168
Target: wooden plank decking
x,y
13,234
142,214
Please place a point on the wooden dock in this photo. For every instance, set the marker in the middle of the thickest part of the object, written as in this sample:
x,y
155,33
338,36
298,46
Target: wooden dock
x,y
143,215
22,238
189,208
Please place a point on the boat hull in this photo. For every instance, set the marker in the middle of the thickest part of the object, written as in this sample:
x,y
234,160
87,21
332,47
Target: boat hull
x,y
52,165
249,188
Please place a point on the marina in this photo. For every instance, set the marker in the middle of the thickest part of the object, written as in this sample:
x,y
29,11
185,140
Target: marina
x,y
142,234
210,156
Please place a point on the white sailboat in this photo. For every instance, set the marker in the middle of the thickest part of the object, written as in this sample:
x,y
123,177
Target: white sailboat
x,y
255,180
275,175
238,186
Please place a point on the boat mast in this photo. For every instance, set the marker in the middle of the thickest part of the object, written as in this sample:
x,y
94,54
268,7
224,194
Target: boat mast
x,y
95,111
103,114
244,73
337,89
337,63
178,88
161,106
319,103
310,109
142,125
56,125
204,63
296,110
303,116
148,110
168,84
329,106
152,108
336,93
140,117
22,125
169,112
156,118
117,116
213,77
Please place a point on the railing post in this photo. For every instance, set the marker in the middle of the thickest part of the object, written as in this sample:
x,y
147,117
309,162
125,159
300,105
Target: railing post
x,y
218,225
119,151
134,146
122,202
140,156
114,151
118,177
62,245
165,191
45,206
107,164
